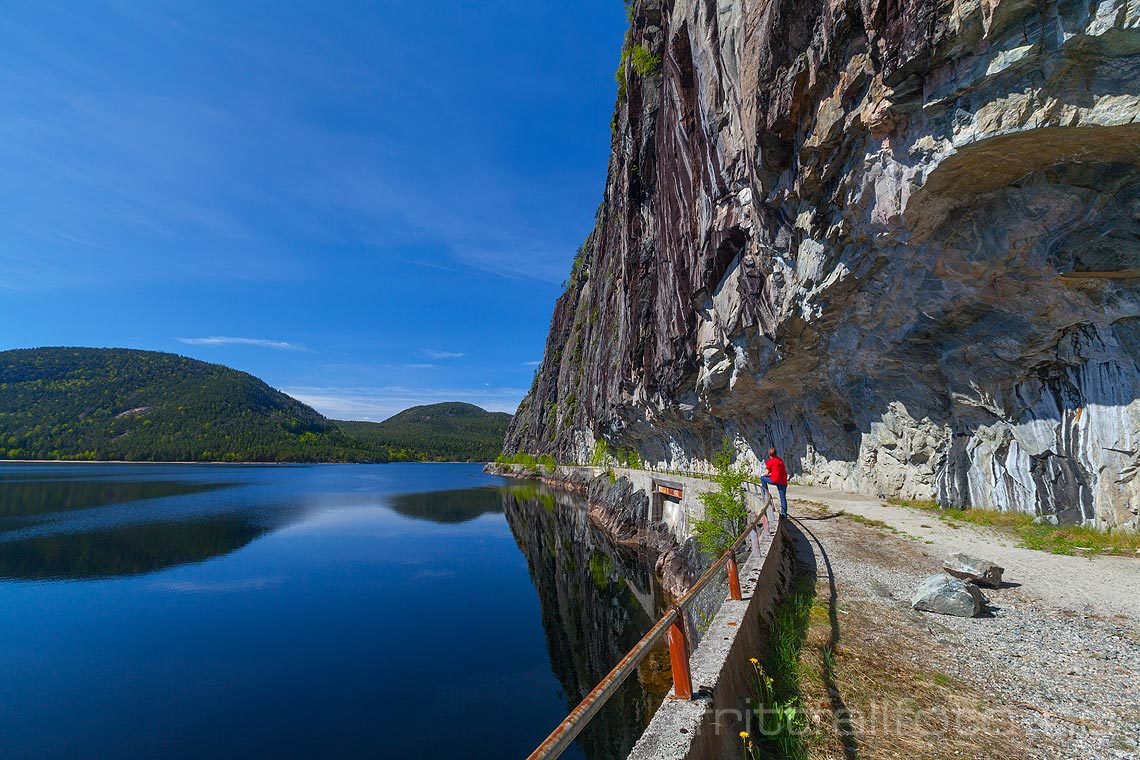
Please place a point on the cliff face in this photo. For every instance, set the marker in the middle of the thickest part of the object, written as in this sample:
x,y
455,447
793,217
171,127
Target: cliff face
x,y
898,241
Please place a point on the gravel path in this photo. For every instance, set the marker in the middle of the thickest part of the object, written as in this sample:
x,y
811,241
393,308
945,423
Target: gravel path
x,y
1061,647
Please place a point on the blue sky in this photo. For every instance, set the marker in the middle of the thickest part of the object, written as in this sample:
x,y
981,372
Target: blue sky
x,y
370,205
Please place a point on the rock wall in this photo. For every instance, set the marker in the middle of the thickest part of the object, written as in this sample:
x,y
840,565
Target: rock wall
x,y
898,241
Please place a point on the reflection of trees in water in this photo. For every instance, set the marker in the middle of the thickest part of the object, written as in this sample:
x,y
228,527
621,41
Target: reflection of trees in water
x,y
138,548
29,496
104,552
127,549
597,600
449,506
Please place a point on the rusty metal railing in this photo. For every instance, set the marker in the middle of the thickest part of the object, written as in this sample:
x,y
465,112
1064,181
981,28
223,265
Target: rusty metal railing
x,y
670,627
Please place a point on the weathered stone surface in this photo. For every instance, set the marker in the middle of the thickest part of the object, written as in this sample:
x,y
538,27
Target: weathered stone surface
x,y
898,241
948,595
973,569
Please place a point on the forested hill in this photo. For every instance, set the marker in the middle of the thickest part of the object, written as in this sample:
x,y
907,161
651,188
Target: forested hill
x,y
88,403
450,431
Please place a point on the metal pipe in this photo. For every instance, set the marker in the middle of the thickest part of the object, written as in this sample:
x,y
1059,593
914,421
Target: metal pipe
x,y
679,662
733,580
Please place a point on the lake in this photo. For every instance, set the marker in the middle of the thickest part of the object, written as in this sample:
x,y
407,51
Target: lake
x,y
391,610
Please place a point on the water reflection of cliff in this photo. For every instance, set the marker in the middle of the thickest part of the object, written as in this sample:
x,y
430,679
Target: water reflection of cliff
x,y
597,600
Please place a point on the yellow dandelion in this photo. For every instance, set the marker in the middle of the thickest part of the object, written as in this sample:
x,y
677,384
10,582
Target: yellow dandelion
x,y
753,660
744,734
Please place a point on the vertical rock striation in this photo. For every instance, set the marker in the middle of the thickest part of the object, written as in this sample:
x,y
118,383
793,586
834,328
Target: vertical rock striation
x,y
898,241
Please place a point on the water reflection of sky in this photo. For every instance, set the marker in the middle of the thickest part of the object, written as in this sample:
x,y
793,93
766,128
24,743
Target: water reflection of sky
x,y
359,611
83,521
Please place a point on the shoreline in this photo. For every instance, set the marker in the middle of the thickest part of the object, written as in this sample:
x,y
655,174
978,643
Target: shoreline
x,y
265,464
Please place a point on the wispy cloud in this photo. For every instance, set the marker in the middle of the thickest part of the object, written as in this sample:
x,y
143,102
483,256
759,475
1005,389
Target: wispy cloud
x,y
532,364
197,587
239,177
381,402
431,353
223,340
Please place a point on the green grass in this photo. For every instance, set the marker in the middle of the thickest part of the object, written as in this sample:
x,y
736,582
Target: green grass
x,y
941,679
790,621
929,504
1042,536
778,675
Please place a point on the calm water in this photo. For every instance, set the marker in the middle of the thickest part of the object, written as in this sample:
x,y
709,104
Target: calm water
x,y
354,611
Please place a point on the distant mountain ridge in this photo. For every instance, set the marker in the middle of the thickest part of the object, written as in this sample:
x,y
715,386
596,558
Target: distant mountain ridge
x,y
127,404
450,431
112,404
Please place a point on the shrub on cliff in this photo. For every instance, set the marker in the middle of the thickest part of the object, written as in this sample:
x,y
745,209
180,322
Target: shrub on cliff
x,y
645,62
630,458
601,456
619,75
521,459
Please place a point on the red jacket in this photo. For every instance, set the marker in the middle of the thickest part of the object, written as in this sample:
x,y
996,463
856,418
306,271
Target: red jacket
x,y
777,471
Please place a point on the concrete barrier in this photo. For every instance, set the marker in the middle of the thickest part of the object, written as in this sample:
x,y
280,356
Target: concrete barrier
x,y
709,725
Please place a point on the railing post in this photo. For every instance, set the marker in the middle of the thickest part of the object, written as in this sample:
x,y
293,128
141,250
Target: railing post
x,y
679,660
733,580
756,542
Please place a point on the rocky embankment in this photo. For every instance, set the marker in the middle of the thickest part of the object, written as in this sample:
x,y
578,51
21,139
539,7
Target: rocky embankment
x,y
623,512
900,242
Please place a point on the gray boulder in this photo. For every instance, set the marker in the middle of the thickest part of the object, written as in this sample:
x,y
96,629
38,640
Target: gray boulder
x,y
948,595
970,568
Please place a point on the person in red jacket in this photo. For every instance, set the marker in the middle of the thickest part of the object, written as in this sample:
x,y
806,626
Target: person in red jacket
x,y
777,476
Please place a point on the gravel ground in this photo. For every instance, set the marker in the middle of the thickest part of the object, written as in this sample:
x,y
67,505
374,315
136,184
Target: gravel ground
x,y
1059,648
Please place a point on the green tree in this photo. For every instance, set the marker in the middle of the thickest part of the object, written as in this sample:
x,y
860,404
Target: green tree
x,y
726,512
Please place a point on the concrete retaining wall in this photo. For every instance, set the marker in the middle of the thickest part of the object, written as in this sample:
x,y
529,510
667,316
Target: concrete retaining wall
x,y
709,725
678,516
